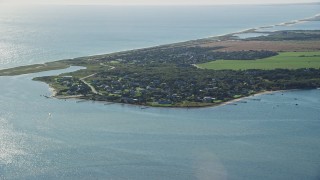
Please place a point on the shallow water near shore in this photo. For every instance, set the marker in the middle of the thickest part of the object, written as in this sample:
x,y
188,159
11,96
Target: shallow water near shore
x,y
274,136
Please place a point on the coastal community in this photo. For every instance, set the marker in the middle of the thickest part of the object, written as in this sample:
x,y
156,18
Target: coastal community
x,y
190,74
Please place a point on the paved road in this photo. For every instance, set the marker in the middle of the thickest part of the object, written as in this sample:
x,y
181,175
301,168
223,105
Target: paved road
x,y
91,87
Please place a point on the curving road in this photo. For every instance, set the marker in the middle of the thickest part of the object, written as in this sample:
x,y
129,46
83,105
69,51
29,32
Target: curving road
x,y
91,87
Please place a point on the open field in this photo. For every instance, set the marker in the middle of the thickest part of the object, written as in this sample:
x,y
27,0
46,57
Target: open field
x,y
287,60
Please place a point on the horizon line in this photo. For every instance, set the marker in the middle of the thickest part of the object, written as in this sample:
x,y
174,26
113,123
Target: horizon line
x,y
155,4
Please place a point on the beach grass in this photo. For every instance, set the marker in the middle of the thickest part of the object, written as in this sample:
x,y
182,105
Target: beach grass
x,y
285,60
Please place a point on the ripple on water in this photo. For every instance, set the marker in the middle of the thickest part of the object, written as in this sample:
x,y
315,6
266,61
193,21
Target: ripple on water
x,y
10,143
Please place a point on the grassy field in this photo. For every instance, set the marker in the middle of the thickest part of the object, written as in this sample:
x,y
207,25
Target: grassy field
x,y
287,60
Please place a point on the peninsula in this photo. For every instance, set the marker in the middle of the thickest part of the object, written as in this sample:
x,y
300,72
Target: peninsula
x,y
198,73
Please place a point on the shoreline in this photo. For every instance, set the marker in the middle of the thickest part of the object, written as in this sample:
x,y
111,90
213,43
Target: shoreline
x,y
257,94
79,97
53,91
257,29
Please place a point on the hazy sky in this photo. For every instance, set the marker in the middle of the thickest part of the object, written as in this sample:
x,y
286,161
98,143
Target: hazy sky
x,y
153,2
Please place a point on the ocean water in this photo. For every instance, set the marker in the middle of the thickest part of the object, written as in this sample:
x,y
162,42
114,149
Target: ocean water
x,y
269,137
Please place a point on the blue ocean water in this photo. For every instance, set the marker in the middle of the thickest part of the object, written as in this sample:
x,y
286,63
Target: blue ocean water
x,y
268,139
276,137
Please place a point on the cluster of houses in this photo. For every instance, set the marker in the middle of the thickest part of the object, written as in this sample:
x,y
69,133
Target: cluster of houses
x,y
73,86
204,87
185,56
141,91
